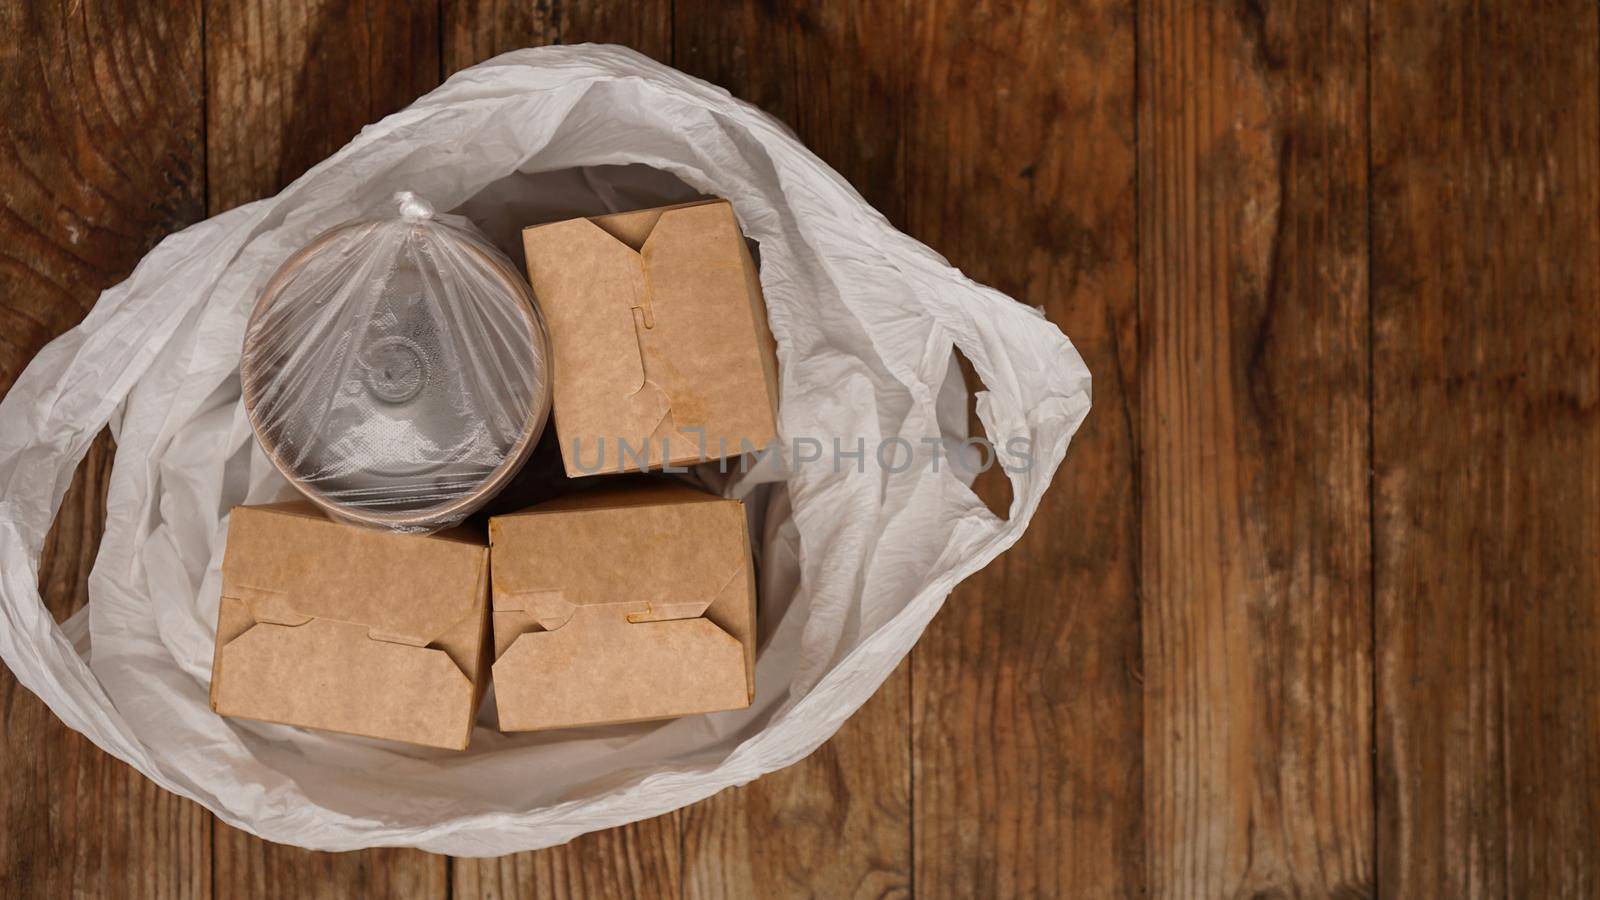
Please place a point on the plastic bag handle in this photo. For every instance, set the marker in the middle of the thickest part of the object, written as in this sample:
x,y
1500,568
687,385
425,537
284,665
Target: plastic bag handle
x,y
72,390
1042,406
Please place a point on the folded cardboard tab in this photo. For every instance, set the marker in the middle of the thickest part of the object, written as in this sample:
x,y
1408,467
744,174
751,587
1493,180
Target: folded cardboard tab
x,y
658,330
332,626
626,603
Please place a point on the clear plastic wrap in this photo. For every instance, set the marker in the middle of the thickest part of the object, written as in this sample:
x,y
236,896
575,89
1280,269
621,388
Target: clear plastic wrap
x,y
395,369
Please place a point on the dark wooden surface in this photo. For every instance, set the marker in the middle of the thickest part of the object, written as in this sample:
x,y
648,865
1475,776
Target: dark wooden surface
x,y
1312,607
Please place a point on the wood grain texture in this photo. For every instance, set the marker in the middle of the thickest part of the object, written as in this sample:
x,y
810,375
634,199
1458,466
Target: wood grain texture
x,y
100,156
287,84
837,824
247,866
1486,292
475,30
836,73
1253,417
1026,720
636,860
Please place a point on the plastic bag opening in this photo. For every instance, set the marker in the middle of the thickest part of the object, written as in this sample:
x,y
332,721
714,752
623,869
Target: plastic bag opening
x,y
854,561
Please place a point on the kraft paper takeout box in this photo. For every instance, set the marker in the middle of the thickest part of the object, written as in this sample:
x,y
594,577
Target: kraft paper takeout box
x,y
630,602
334,626
658,332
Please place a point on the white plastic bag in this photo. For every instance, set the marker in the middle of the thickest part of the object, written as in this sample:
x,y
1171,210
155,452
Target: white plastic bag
x,y
856,555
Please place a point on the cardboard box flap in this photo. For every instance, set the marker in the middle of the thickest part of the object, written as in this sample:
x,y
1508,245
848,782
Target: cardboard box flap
x,y
327,674
592,673
659,580
635,302
320,569
627,603
324,625
634,228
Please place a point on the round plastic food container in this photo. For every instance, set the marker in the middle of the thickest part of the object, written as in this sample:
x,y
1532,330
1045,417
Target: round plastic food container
x,y
396,369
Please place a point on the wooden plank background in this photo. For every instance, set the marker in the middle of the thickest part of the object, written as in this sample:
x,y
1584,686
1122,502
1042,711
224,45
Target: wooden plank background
x,y
1312,607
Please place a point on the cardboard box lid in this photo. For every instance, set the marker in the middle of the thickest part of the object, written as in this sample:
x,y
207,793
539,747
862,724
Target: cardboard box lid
x,y
333,626
658,332
599,618
391,584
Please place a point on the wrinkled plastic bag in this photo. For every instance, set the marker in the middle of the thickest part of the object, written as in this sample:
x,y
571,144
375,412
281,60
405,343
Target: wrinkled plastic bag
x,y
855,556
396,370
